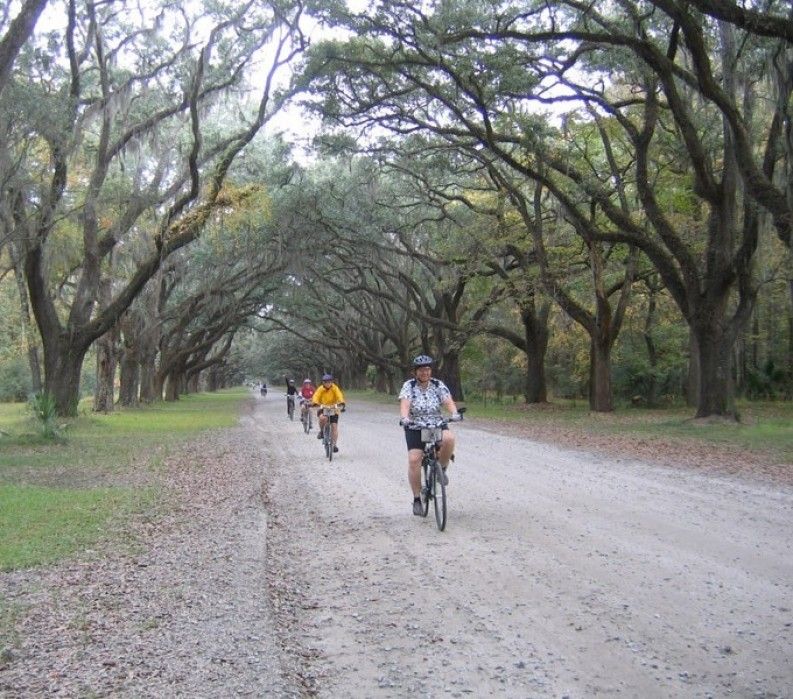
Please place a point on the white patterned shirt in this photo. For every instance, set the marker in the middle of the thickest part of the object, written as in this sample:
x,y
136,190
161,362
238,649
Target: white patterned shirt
x,y
425,405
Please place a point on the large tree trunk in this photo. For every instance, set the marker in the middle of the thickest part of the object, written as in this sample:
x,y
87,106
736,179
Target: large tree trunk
x,y
600,394
104,395
129,373
450,374
175,384
62,366
535,327
693,376
28,332
381,379
716,390
151,381
106,356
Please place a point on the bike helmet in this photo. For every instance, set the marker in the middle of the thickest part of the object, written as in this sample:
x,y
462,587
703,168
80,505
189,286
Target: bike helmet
x,y
423,360
291,382
306,380
327,377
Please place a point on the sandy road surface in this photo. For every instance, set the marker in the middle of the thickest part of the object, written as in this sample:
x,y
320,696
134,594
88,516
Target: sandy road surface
x,y
559,574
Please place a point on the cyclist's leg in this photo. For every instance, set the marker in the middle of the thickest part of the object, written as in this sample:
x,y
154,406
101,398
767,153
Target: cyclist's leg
x,y
447,448
322,419
414,470
334,428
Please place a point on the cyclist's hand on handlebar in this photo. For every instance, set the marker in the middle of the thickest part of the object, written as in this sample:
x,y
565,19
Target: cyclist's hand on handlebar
x,y
404,422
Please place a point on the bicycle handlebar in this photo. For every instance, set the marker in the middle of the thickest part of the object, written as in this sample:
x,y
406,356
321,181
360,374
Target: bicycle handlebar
x,y
433,425
335,406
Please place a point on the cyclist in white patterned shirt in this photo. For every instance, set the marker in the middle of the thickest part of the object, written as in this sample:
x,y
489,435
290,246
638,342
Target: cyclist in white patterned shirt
x,y
420,401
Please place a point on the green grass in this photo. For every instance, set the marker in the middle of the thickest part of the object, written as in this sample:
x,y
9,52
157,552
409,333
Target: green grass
x,y
58,498
41,525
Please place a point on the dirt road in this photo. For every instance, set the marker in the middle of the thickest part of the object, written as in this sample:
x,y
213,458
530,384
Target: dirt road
x,y
271,573
560,574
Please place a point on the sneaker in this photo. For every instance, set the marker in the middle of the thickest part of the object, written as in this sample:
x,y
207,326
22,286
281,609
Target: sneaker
x,y
335,449
418,508
444,477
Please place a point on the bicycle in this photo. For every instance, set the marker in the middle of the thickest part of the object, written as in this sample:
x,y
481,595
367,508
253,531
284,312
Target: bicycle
x,y
433,487
290,406
305,416
327,440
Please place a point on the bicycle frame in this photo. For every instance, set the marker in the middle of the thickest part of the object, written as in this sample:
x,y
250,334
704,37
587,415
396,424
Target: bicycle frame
x,y
306,415
432,487
328,411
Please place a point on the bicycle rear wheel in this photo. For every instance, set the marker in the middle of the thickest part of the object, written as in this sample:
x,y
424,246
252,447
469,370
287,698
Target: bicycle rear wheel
x,y
439,495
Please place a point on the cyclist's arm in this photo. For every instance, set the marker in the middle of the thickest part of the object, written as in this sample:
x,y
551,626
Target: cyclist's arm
x,y
450,405
404,408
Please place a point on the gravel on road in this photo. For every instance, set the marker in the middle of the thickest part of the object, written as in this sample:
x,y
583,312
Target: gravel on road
x,y
277,573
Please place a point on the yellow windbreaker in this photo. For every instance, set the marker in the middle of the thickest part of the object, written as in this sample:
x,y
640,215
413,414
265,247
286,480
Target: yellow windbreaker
x,y
328,396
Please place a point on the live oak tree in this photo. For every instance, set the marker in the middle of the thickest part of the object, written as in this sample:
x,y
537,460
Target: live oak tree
x,y
120,135
673,81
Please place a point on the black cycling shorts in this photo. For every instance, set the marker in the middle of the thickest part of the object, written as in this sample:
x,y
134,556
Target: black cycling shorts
x,y
413,439
333,418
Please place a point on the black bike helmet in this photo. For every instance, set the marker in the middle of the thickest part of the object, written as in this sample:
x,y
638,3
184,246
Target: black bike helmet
x,y
423,360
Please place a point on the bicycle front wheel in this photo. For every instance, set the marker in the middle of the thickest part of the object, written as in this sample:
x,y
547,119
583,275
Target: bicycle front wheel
x,y
305,419
328,442
426,489
290,407
439,496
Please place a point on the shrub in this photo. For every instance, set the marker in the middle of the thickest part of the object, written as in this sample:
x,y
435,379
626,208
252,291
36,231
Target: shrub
x,y
15,384
43,408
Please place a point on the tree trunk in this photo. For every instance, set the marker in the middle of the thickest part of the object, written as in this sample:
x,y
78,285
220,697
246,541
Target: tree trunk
x,y
107,351
450,374
28,333
381,379
716,395
104,396
600,394
693,379
129,379
151,384
535,326
175,384
62,366
214,379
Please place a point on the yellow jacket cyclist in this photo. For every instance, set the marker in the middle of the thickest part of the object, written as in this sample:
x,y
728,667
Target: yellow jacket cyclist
x,y
328,394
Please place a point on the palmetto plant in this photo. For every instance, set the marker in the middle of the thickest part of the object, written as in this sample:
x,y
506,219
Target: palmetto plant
x,y
44,410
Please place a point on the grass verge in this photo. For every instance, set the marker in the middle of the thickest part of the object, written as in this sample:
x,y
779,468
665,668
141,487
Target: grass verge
x,y
57,498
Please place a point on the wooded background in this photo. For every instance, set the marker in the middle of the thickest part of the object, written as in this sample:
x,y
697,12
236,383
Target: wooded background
x,y
553,199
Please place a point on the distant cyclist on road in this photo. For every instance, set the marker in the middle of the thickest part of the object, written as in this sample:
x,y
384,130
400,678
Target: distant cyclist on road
x,y
420,401
328,394
307,389
291,390
306,394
